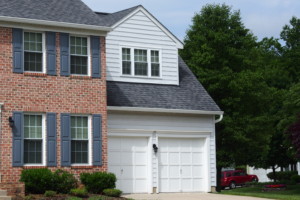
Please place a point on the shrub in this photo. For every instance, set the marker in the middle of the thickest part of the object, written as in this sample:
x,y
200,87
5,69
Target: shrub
x,y
64,181
79,192
295,178
112,192
98,181
282,176
49,193
37,181
74,198
97,198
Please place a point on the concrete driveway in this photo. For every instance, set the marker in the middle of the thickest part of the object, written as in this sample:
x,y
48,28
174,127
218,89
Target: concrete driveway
x,y
188,196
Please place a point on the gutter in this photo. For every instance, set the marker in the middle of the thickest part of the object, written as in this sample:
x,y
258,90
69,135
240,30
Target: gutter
x,y
54,23
220,119
163,110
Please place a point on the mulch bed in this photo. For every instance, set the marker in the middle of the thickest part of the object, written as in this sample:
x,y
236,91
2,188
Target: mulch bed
x,y
62,197
274,187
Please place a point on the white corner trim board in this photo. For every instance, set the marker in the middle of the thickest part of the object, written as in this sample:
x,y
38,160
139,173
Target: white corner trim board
x,y
162,110
1,104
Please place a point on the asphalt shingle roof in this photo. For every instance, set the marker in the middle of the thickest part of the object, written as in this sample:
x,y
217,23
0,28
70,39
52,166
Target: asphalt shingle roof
x,y
70,11
189,95
109,19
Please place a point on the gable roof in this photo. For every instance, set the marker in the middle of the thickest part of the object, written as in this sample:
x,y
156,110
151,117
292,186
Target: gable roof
x,y
61,11
115,19
188,95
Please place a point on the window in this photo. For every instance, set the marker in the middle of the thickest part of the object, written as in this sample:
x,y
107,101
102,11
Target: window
x,y
33,52
79,55
79,140
154,63
126,61
141,62
33,139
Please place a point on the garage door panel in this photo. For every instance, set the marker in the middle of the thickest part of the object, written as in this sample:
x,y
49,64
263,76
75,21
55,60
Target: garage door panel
x,y
114,158
114,144
164,160
186,171
140,172
197,183
116,170
164,172
197,158
174,185
187,185
186,158
140,158
140,185
126,158
197,171
174,158
174,171
127,186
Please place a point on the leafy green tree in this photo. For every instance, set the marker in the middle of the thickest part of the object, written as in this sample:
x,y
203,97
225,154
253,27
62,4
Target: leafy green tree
x,y
223,54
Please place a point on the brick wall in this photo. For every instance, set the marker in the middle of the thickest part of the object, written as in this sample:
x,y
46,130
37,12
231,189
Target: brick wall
x,y
31,92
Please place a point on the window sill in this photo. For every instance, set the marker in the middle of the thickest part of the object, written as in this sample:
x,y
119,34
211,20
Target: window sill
x,y
35,74
141,77
80,77
82,167
34,167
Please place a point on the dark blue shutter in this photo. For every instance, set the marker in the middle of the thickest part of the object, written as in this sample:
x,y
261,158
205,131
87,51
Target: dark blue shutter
x,y
65,139
64,54
51,53
17,139
51,139
96,60
97,140
17,40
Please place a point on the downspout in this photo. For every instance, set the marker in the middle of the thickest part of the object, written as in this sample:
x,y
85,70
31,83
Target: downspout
x,y
220,119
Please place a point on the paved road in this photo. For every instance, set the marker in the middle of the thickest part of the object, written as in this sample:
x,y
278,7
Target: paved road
x,y
188,196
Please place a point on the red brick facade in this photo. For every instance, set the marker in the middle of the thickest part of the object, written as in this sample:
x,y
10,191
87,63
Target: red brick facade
x,y
30,92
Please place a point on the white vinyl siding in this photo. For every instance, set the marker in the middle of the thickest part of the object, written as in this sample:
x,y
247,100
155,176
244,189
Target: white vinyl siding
x,y
141,33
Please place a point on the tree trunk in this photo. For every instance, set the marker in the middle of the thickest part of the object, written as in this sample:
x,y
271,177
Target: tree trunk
x,y
219,172
274,173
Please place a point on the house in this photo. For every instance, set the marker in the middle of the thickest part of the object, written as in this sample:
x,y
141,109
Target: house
x,y
154,101
85,92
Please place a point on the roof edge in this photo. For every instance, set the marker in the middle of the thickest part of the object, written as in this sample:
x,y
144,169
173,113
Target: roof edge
x,y
163,110
179,43
54,23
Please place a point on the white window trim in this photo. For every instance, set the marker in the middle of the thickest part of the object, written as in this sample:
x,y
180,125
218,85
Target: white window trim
x,y
44,57
90,141
149,75
44,141
88,54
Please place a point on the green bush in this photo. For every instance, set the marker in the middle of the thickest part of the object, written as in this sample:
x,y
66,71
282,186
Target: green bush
x,y
112,192
74,198
295,178
282,176
64,181
37,181
49,193
97,198
79,192
98,181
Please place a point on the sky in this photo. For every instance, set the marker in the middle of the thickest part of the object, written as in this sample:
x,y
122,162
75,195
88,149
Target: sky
x,y
265,18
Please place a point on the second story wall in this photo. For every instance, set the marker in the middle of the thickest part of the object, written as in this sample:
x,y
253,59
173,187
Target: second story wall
x,y
140,38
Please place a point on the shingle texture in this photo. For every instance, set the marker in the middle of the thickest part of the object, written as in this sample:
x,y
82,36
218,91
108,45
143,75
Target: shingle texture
x,y
70,11
109,19
189,95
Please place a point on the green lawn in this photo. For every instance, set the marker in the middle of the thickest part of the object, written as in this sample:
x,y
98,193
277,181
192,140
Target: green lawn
x,y
291,193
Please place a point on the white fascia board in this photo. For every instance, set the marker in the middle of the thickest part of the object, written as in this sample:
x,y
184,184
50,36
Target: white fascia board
x,y
55,24
162,110
178,43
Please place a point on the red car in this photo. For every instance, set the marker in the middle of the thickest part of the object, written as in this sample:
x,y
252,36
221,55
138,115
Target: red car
x,y
232,178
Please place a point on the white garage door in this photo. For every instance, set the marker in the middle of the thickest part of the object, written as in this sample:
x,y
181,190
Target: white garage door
x,y
181,165
127,159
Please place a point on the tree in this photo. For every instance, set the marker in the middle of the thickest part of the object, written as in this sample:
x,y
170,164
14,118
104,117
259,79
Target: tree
x,y
222,53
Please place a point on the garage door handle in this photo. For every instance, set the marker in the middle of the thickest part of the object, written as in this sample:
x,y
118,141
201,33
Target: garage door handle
x,y
180,171
121,171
